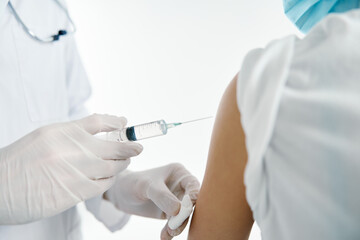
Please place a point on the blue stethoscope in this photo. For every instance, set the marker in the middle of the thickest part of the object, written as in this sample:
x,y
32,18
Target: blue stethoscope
x,y
51,38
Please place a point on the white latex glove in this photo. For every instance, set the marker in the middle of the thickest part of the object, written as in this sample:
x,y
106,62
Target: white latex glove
x,y
56,166
154,193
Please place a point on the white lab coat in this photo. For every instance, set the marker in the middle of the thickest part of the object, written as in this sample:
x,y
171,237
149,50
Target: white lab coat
x,y
300,109
41,84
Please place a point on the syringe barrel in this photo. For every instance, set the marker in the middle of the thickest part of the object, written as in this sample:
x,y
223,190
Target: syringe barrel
x,y
143,131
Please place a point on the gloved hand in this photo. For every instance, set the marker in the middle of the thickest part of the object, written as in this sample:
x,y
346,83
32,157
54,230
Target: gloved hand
x,y
56,166
154,193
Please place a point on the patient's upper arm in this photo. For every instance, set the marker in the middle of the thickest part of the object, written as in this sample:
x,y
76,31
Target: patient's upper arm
x,y
222,211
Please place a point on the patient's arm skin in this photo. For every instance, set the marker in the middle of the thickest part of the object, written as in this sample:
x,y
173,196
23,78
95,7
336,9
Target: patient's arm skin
x,y
222,211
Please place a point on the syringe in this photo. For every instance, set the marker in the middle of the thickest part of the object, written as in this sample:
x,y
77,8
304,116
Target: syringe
x,y
143,131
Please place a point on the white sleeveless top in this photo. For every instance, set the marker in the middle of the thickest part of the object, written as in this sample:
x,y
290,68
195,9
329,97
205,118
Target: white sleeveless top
x,y
300,107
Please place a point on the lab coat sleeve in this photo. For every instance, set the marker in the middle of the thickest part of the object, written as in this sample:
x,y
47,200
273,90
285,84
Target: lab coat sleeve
x,y
78,92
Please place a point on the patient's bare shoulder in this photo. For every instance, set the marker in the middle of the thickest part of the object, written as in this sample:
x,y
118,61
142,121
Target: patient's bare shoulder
x,y
222,211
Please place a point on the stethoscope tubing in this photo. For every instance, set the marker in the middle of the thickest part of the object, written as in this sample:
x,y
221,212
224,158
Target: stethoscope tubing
x,y
52,38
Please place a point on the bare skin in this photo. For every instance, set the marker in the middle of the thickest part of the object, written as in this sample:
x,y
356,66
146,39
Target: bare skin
x,y
222,211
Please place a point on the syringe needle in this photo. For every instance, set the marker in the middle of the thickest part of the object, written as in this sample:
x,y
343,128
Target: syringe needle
x,y
195,120
172,125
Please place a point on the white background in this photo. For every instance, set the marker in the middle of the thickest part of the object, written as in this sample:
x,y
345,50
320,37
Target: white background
x,y
171,60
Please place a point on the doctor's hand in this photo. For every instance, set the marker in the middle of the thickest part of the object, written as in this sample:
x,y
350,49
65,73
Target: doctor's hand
x,y
56,166
155,193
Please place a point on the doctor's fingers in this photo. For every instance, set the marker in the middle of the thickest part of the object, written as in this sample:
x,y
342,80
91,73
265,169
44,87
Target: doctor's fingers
x,y
96,168
113,150
191,186
167,233
72,184
93,188
164,199
101,123
182,182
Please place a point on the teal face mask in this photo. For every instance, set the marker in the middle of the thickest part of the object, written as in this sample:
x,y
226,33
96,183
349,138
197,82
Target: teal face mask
x,y
306,13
